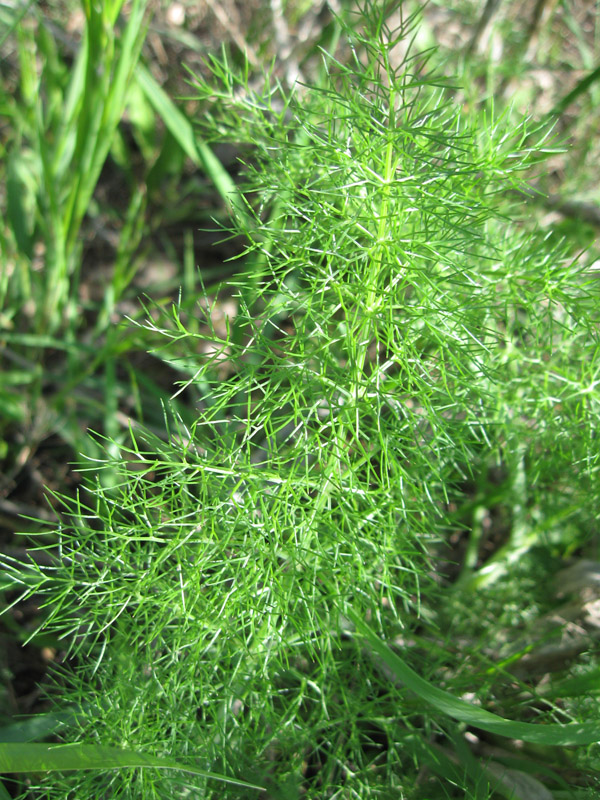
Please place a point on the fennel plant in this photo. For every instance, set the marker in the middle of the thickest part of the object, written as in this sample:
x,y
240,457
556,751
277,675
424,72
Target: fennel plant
x,y
399,331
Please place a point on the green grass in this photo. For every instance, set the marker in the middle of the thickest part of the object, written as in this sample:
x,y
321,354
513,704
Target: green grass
x,y
64,132
320,563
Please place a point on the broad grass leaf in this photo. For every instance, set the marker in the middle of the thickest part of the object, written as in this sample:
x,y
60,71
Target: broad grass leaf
x,y
17,758
21,183
551,734
517,785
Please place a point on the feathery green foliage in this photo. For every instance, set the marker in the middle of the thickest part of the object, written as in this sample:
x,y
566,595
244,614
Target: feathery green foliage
x,y
399,333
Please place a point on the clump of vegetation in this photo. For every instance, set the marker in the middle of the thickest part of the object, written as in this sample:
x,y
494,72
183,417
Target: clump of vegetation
x,y
265,590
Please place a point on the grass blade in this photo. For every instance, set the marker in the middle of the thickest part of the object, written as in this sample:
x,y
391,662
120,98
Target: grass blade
x,y
553,734
38,727
183,132
581,87
17,758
